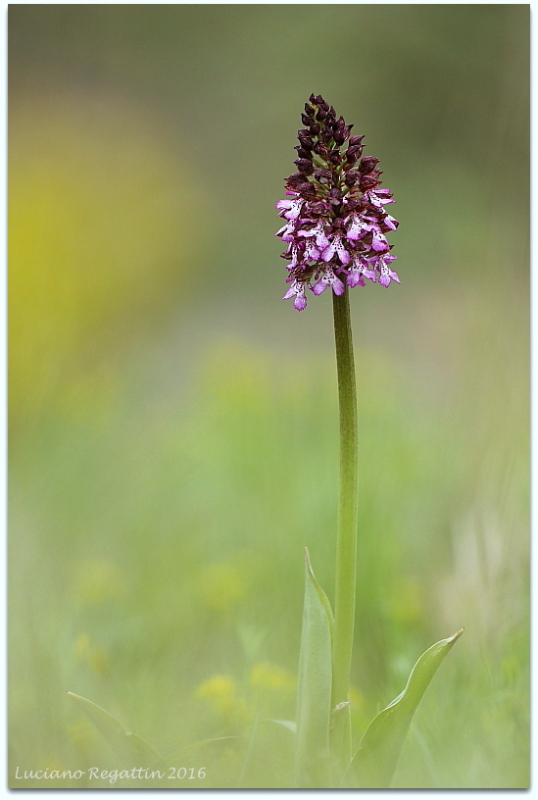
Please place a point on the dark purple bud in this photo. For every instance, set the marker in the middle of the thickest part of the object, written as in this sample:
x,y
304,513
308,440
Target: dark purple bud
x,y
335,197
306,141
353,152
321,114
320,149
309,110
352,178
368,163
325,106
302,153
356,140
340,136
326,135
304,165
317,208
323,175
314,128
294,180
304,132
306,190
335,157
306,120
368,182
353,204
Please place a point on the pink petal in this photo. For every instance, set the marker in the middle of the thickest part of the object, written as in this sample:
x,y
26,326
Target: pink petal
x,y
328,253
337,286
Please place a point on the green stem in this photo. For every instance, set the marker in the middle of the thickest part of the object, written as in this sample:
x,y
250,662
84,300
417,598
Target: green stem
x,y
346,543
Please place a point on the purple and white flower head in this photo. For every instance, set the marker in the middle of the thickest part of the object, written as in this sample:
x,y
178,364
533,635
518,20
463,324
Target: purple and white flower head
x,y
335,223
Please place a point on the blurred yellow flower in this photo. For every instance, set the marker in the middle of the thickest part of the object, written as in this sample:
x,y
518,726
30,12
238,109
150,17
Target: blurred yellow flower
x,y
221,586
267,676
97,581
220,692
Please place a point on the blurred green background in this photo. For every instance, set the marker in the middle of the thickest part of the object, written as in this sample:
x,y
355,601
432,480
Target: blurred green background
x,y
173,423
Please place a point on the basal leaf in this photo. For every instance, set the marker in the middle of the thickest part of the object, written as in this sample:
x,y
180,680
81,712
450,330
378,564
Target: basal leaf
x,y
314,687
374,763
126,745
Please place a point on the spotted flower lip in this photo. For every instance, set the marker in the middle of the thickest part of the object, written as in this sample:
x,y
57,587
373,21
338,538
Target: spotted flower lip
x,y
297,290
328,278
335,222
291,208
317,232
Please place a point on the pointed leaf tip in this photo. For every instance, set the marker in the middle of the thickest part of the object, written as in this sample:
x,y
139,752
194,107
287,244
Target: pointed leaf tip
x,y
376,760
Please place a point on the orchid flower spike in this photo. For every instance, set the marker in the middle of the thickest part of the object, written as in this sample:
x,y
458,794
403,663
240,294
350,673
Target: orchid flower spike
x,y
335,223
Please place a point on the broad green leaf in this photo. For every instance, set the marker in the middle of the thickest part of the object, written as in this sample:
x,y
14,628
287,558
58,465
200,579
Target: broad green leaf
x,y
314,687
377,757
126,745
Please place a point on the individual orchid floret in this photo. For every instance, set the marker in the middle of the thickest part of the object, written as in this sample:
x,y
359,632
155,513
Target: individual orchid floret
x,y
383,274
335,221
359,270
297,290
291,208
317,231
390,223
379,242
378,197
295,256
328,278
286,232
336,246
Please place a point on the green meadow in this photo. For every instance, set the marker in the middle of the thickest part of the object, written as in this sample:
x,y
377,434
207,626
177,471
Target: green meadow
x,y
173,442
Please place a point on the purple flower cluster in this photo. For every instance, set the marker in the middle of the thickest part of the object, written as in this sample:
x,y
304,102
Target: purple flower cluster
x,y
335,222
